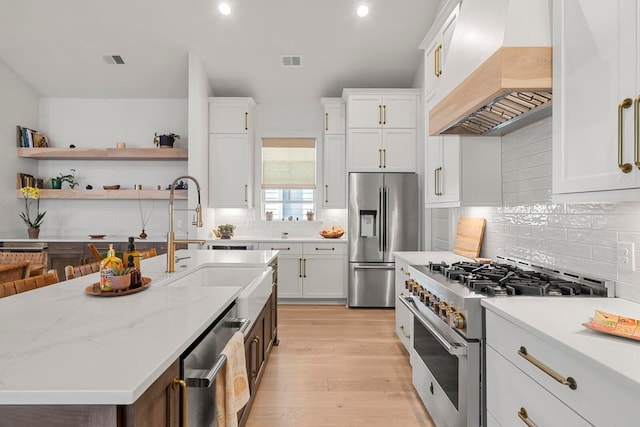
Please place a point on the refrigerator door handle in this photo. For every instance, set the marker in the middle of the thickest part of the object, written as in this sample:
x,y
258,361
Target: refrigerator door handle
x,y
373,267
380,220
385,244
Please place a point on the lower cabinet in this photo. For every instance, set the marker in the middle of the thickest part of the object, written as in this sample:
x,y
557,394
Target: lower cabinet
x,y
159,406
310,270
532,378
404,317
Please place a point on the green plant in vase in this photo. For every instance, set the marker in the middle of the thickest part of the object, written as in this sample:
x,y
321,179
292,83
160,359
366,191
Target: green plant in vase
x,y
30,194
68,178
226,230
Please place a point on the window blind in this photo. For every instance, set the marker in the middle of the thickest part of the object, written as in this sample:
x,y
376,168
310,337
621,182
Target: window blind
x,y
288,163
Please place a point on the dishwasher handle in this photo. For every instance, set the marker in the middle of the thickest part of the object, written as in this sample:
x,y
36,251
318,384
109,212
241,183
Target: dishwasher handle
x,y
204,378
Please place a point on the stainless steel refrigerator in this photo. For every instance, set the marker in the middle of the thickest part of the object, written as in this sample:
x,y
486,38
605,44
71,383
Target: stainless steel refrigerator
x,y
383,218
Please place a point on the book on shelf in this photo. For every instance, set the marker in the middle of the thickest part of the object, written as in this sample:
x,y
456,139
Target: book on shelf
x,y
30,138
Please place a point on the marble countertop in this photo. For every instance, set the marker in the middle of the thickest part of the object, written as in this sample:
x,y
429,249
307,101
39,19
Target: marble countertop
x,y
59,345
559,320
209,240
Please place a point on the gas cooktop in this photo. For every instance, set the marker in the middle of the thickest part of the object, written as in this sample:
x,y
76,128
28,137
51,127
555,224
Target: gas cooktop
x,y
507,279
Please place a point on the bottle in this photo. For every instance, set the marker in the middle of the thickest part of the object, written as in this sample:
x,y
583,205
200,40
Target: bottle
x,y
131,251
136,276
107,265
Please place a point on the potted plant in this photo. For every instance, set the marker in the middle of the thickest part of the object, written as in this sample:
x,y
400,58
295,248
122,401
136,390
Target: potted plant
x,y
226,230
30,194
120,279
56,183
165,140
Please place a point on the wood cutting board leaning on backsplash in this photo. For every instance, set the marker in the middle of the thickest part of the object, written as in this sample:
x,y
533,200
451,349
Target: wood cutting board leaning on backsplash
x,y
469,237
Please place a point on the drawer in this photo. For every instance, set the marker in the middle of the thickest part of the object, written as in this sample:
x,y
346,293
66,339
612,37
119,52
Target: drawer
x,y
285,248
509,390
65,247
324,249
596,397
404,325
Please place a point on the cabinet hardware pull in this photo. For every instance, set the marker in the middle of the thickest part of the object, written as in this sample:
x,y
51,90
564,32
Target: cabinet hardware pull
x,y
405,272
636,132
435,181
304,264
299,267
522,414
246,193
384,157
246,121
177,382
326,121
280,249
379,114
256,340
379,157
569,382
404,332
384,109
325,249
326,193
435,61
438,66
624,167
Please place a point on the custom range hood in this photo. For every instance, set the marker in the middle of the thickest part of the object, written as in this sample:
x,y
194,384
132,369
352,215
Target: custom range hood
x,y
510,86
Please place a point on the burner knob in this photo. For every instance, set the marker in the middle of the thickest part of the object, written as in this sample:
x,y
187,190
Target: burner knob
x,y
450,311
408,284
443,309
433,302
457,320
424,296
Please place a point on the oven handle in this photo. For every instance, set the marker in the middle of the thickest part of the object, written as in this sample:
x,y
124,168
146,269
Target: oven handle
x,y
203,378
452,348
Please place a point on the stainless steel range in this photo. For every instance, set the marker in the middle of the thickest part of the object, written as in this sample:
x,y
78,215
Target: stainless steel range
x,y
448,331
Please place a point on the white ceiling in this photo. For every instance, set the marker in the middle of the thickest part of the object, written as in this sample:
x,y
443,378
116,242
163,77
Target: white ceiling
x,y
57,46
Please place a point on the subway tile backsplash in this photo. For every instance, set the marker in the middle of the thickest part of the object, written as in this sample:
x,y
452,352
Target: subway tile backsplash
x,y
581,237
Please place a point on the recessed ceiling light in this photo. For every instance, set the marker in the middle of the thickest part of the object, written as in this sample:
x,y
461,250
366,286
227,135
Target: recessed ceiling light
x,y
362,11
224,8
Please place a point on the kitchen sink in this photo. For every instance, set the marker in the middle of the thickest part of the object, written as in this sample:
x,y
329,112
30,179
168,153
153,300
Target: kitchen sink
x,y
255,281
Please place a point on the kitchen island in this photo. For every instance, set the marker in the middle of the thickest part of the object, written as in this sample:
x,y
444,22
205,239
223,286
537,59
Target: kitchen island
x,y
60,346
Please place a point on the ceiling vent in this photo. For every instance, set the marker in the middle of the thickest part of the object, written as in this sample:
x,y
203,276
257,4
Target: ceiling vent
x,y
113,59
291,60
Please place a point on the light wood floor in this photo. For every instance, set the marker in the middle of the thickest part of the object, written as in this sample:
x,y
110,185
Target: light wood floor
x,y
337,367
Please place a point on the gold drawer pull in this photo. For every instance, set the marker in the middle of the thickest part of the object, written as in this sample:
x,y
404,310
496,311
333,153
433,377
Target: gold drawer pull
x,y
404,332
626,103
570,382
177,382
522,414
405,272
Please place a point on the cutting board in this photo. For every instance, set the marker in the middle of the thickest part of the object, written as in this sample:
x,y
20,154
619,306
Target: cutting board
x,y
469,237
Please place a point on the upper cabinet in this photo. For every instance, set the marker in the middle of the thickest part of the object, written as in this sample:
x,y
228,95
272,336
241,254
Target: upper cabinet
x,y
596,83
381,129
231,115
334,168
231,152
463,171
436,50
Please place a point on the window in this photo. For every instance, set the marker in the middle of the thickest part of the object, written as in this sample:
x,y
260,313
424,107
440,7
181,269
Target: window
x,y
288,176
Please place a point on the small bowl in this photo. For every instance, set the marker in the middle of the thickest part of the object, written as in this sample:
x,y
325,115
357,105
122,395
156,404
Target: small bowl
x,y
111,187
121,283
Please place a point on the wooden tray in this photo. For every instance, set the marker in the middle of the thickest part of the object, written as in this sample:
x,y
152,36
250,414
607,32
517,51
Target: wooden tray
x,y
94,289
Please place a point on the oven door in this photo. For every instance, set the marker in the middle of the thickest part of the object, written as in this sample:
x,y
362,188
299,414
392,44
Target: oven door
x,y
445,369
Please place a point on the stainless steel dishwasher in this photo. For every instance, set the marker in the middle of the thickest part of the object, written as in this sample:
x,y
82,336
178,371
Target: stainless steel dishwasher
x,y
201,363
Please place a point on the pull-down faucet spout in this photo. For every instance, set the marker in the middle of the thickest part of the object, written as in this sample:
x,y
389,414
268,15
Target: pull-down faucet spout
x,y
171,237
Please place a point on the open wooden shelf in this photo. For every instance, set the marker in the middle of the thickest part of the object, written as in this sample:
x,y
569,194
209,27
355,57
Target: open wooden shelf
x,y
53,153
109,194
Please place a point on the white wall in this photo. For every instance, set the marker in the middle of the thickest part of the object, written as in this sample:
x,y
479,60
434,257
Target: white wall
x,y
577,237
18,106
101,123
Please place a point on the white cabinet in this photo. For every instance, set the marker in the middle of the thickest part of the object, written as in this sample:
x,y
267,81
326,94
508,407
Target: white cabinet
x,y
334,165
596,83
334,116
527,369
463,171
310,270
436,50
404,317
231,115
231,152
381,130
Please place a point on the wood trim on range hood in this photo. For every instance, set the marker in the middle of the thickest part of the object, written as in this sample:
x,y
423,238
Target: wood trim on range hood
x,y
524,70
